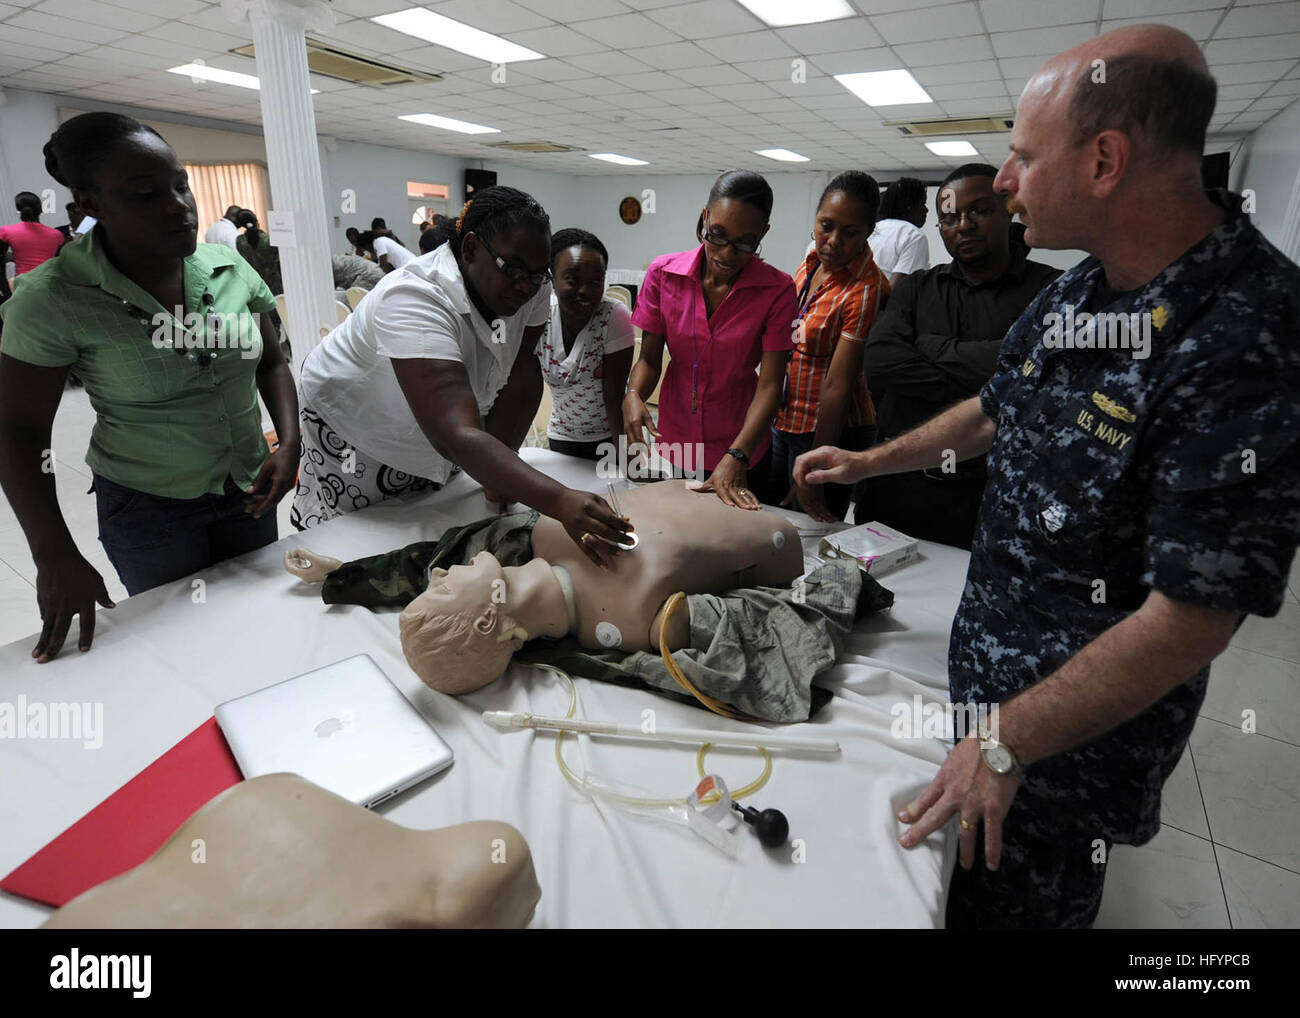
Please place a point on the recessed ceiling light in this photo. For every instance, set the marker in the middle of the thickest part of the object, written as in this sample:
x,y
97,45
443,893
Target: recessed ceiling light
x,y
206,73
611,157
783,155
443,31
448,124
780,13
951,148
885,88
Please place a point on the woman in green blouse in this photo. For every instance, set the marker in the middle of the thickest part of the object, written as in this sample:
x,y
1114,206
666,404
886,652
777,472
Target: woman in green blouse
x,y
171,341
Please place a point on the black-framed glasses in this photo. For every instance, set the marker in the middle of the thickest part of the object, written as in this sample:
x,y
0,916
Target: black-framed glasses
x,y
976,213
721,240
516,273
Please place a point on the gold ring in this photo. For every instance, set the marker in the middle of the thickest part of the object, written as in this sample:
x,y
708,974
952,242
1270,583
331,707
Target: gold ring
x,y
966,826
583,538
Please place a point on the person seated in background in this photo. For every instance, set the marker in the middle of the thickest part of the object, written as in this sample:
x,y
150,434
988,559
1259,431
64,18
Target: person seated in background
x,y
254,244
586,351
897,242
75,217
840,290
937,343
438,233
352,270
224,230
387,253
354,240
380,229
30,240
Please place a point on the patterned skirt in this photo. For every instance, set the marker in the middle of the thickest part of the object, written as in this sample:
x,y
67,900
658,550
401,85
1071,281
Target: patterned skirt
x,y
335,477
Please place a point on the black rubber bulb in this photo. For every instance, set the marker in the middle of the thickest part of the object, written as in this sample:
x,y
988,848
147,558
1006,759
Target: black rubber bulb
x,y
770,825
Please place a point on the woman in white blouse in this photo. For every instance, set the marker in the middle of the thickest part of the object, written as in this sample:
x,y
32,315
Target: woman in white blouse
x,y
437,369
586,351
387,252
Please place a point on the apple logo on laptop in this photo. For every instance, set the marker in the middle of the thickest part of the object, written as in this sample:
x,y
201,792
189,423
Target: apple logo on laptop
x,y
345,722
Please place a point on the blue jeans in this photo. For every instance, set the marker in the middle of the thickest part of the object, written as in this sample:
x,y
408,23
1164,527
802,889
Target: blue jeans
x,y
153,540
789,446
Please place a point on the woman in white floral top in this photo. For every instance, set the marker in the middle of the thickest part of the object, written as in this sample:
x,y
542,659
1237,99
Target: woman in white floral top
x,y
586,351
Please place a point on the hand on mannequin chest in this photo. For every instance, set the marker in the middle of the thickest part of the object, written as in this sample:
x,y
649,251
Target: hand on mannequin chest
x,y
460,634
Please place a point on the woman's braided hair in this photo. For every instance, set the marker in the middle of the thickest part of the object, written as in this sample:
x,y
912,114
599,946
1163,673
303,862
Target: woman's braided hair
x,y
75,151
496,210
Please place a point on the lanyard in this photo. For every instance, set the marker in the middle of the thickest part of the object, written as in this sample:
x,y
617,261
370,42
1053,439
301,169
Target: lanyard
x,y
695,368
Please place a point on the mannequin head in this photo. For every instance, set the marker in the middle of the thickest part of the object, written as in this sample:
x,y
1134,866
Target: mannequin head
x,y
457,635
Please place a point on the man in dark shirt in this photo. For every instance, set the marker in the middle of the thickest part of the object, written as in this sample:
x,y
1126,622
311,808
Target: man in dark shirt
x,y
1143,439
937,343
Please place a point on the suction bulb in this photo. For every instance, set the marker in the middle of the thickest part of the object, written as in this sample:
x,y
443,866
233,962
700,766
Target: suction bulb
x,y
770,825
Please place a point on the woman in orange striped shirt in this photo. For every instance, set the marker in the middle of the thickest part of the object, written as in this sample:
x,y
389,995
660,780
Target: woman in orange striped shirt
x,y
840,291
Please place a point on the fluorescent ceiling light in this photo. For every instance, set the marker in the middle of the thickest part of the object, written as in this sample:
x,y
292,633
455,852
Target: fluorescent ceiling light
x,y
442,31
448,124
783,155
611,157
885,88
780,13
951,148
206,73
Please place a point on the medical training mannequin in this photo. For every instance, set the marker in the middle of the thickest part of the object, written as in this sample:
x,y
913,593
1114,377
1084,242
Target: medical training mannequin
x,y
460,633
280,852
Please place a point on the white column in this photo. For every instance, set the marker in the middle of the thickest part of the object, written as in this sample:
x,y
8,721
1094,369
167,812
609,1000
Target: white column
x,y
297,221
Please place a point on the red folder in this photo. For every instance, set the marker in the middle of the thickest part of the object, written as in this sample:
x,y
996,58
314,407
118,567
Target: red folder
x,y
131,824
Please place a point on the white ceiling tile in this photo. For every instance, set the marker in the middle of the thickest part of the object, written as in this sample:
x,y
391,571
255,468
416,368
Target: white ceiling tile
x,y
968,72
672,56
648,81
1252,90
832,36
366,35
1040,40
101,14
555,41
1289,87
1022,67
947,22
34,21
1240,74
627,30
926,54
751,46
989,105
718,74
608,62
705,19
568,11
40,40
1269,19
364,8
852,61
1008,15
1272,102
1197,24
550,70
497,16
684,97
183,37
162,8
1147,8
968,90
749,90
1231,106
1269,47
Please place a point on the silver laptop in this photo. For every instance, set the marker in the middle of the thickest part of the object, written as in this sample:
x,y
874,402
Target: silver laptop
x,y
344,727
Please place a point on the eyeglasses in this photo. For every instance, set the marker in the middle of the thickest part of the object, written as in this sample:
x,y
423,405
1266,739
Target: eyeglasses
x,y
515,273
720,240
976,213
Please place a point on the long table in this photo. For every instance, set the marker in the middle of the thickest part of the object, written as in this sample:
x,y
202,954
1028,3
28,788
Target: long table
x,y
163,659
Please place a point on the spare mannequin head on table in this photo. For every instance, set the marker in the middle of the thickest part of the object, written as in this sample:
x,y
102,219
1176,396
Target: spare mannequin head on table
x,y
461,632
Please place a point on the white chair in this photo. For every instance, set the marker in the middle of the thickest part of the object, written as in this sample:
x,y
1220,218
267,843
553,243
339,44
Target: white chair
x,y
355,293
621,294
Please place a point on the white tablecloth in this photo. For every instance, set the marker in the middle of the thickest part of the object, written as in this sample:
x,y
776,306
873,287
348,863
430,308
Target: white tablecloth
x,y
163,659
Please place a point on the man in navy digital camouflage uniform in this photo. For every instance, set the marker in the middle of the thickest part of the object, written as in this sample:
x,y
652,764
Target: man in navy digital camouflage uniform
x,y
1144,481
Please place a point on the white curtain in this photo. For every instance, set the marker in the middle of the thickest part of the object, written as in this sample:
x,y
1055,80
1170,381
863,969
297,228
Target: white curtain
x,y
217,186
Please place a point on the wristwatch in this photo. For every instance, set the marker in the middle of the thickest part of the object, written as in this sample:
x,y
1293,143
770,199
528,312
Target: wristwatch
x,y
739,454
998,756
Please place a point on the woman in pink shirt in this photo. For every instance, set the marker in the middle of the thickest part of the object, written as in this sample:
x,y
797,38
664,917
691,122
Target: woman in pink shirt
x,y
32,242
722,312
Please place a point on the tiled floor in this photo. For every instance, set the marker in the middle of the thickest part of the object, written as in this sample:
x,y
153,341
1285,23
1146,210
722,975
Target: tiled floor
x,y
1229,852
